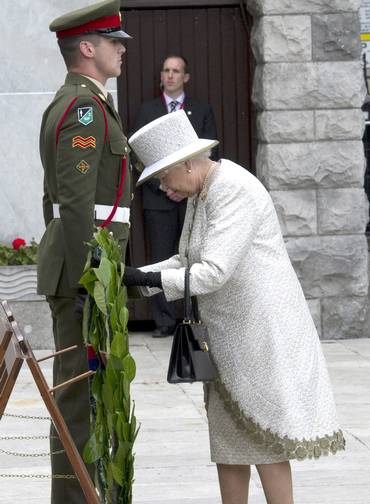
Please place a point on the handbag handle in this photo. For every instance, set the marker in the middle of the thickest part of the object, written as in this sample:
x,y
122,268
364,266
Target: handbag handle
x,y
191,311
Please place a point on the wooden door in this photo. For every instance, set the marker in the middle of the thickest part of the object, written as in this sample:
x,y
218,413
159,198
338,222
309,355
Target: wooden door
x,y
214,38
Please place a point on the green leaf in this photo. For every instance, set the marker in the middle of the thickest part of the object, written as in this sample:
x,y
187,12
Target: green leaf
x,y
125,404
113,282
117,473
126,432
103,273
99,297
133,430
107,396
113,316
124,449
118,346
123,316
111,375
102,238
125,383
92,450
116,363
129,367
121,300
89,284
110,423
97,383
88,277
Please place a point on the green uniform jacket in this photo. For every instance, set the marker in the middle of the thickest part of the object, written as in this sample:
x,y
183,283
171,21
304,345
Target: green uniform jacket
x,y
81,146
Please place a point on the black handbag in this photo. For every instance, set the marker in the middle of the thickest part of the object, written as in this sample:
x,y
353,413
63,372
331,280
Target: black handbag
x,y
189,359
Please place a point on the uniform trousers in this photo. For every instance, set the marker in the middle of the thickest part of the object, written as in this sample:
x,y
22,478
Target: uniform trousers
x,y
164,230
72,400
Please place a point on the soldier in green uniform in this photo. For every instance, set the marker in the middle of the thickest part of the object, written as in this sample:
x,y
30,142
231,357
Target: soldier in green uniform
x,y
86,183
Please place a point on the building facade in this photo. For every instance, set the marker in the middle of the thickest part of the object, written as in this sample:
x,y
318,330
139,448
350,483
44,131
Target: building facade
x,y
308,91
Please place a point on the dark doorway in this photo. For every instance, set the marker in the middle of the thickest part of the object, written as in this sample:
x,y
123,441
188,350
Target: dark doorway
x,y
214,37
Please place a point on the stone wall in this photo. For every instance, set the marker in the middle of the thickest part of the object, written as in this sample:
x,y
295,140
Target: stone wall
x,y
32,70
308,91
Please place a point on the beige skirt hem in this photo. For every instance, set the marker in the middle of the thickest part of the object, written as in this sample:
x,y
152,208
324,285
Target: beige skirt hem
x,y
229,444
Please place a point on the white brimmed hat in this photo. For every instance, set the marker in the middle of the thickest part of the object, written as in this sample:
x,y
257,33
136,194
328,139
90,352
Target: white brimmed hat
x,y
166,142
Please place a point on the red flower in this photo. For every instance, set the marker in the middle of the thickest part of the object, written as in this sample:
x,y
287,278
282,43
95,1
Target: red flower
x,y
18,242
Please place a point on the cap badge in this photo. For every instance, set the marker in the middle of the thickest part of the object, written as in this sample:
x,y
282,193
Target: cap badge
x,y
85,115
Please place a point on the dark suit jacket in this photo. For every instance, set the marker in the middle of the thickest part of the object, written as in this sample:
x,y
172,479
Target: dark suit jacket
x,y
203,121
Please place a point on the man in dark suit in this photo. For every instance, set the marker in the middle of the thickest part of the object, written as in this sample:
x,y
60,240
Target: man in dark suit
x,y
83,152
164,211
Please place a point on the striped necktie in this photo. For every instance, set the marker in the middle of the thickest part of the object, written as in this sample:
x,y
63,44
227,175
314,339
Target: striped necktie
x,y
173,104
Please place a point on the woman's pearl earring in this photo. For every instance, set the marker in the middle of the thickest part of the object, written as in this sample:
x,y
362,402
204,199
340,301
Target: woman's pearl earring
x,y
189,170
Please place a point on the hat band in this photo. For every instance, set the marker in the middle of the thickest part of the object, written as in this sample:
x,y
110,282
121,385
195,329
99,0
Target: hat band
x,y
103,23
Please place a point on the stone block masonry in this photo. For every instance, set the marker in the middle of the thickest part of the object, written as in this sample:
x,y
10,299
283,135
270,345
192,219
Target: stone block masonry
x,y
308,91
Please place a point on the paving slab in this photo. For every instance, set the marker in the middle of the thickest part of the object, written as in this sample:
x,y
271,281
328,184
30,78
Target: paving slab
x,y
172,450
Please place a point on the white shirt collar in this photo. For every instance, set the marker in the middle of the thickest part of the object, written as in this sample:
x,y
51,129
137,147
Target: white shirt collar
x,y
180,99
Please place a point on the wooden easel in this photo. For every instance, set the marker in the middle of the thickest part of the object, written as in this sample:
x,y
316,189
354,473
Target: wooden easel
x,y
14,350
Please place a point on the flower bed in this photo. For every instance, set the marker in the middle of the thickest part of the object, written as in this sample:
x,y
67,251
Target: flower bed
x,y
19,253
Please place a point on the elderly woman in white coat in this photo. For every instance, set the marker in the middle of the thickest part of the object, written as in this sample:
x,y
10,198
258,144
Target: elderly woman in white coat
x,y
271,400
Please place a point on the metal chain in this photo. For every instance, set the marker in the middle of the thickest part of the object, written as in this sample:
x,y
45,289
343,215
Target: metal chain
x,y
20,454
28,417
27,438
40,476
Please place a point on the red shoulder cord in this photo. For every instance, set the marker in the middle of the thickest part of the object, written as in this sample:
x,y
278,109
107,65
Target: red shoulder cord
x,y
62,119
108,220
124,160
119,194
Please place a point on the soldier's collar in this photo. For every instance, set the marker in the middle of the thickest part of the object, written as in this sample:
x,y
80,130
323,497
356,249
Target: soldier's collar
x,y
98,84
85,82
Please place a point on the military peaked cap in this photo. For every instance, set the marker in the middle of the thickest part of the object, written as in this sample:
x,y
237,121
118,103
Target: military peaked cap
x,y
102,18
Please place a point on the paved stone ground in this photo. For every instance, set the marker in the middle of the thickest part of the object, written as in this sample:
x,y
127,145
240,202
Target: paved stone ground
x,y
172,455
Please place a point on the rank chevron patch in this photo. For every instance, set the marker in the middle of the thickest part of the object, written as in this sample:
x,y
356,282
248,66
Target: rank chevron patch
x,y
84,143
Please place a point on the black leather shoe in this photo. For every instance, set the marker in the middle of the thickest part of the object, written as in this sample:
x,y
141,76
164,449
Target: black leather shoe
x,y
163,332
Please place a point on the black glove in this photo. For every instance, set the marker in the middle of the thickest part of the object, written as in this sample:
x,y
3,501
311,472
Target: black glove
x,y
95,257
133,276
80,301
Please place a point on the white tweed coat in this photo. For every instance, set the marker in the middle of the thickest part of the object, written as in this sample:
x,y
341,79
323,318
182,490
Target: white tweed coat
x,y
272,374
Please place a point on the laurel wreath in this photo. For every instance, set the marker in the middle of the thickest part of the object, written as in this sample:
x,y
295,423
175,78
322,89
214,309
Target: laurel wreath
x,y
113,422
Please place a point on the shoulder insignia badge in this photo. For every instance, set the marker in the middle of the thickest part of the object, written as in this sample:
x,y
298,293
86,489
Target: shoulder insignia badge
x,y
83,167
85,115
84,142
